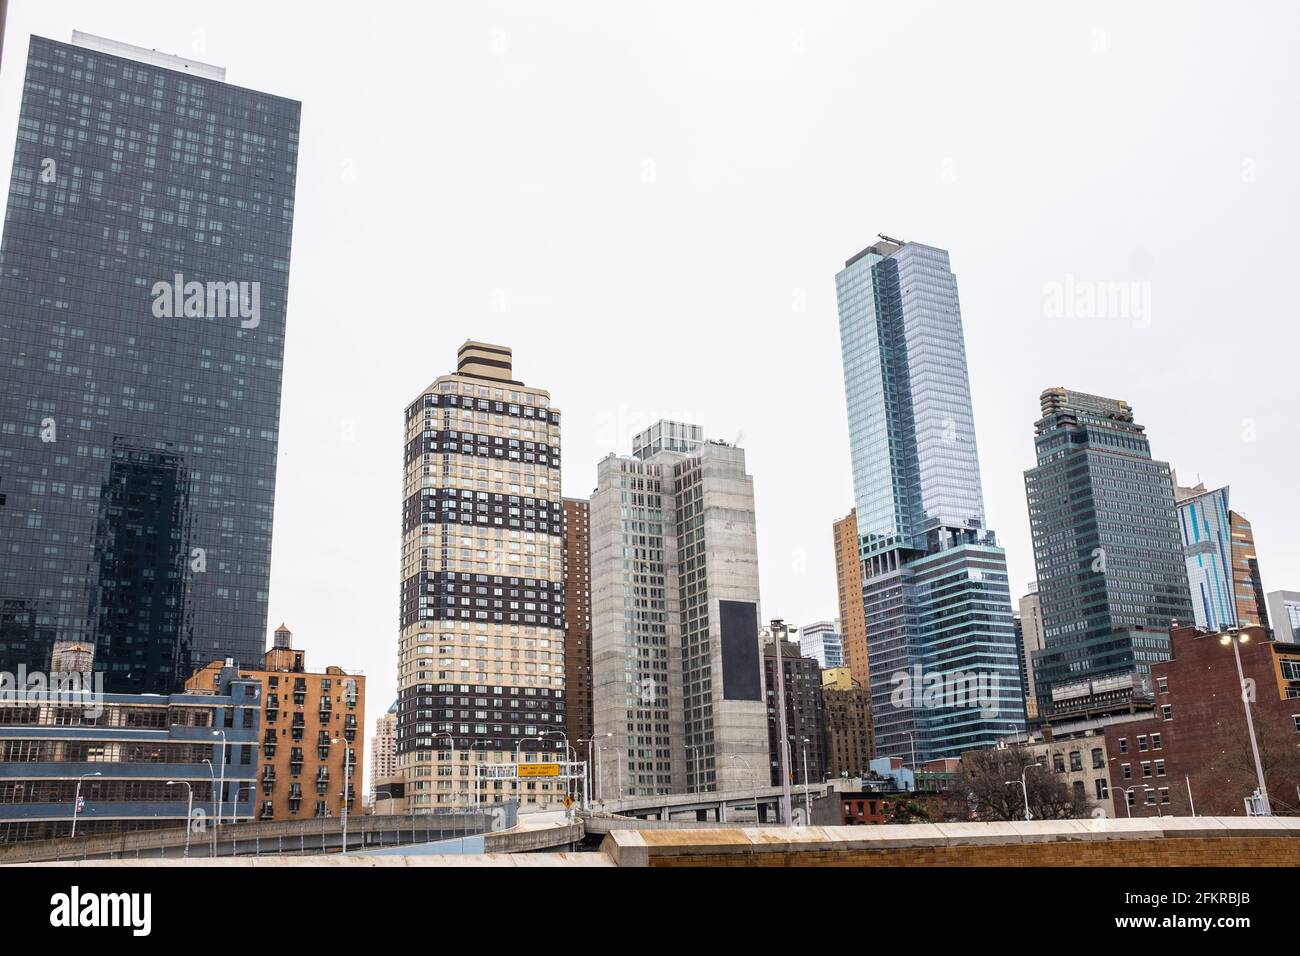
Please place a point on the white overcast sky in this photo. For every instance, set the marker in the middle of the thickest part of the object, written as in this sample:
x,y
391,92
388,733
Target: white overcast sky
x,y
649,202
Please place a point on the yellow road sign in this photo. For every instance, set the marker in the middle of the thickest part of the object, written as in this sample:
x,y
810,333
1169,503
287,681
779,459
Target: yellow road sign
x,y
539,770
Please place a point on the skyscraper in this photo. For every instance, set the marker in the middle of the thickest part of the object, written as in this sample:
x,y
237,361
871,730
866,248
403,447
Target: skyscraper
x,y
676,673
1031,641
822,642
848,585
142,321
937,604
1110,565
481,653
1222,567
577,618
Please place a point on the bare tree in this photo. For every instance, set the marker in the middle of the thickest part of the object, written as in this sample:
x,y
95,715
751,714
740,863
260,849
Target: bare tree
x,y
985,774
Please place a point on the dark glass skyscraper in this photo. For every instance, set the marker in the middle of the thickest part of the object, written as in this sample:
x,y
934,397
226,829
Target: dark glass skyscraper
x,y
944,672
1107,548
145,267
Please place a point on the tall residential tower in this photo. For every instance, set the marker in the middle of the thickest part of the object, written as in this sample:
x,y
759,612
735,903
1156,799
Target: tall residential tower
x,y
937,604
1109,559
142,318
676,673
481,656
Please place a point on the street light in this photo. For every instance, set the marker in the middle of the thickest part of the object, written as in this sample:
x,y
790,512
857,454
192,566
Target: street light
x,y
347,777
589,741
189,811
519,780
76,799
221,793
1024,787
807,804
212,794
1235,637
568,756
751,773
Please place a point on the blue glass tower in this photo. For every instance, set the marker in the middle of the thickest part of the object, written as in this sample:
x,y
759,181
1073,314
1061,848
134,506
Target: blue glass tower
x,y
143,300
945,676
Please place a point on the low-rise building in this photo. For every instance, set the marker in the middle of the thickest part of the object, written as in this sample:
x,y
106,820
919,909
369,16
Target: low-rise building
x,y
847,708
310,745
805,721
1194,752
127,762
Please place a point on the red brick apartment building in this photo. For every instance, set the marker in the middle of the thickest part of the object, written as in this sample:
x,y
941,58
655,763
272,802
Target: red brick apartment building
x,y
1194,752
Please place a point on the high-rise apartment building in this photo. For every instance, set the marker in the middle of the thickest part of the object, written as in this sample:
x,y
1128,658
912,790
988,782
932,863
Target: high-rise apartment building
x,y
805,716
847,706
822,642
481,653
142,321
676,673
577,618
1110,565
1284,612
1031,641
936,599
1222,567
383,755
312,749
848,582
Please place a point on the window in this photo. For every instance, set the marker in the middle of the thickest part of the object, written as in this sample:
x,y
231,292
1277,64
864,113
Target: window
x,y
1142,744
1058,763
1164,795
1103,791
1162,685
1167,711
1155,741
1126,771
1151,798
1146,769
1160,768
1076,760
1123,745
1098,758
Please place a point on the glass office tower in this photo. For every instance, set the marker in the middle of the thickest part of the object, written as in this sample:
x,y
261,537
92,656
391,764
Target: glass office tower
x,y
1107,548
145,265
940,630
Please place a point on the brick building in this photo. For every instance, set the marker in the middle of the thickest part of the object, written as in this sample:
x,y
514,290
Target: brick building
x,y
577,619
847,707
310,731
848,580
805,720
1197,739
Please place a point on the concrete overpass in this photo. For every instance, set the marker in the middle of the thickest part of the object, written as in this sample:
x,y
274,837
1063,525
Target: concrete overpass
x,y
718,806
1146,842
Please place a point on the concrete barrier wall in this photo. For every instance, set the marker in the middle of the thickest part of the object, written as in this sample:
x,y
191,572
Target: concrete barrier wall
x,y
1168,841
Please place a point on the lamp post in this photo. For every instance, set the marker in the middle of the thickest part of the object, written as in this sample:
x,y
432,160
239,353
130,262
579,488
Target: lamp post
x,y
212,794
783,753
807,801
347,779
474,767
589,741
568,756
519,780
1024,787
76,800
1235,637
751,773
451,740
189,810
912,740
221,792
